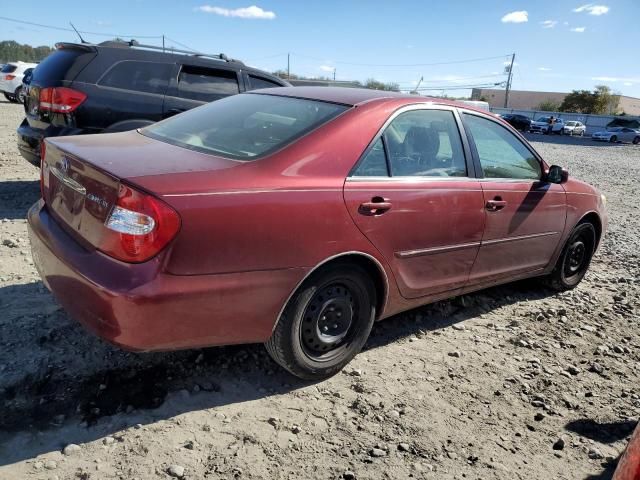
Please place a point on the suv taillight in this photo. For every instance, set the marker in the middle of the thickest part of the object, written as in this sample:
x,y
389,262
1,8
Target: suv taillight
x,y
138,227
60,99
9,77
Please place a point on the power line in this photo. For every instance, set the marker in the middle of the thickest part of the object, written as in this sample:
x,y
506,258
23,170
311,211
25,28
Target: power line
x,y
180,44
453,62
102,34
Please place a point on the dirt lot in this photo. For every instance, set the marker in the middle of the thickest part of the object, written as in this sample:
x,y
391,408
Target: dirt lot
x,y
513,383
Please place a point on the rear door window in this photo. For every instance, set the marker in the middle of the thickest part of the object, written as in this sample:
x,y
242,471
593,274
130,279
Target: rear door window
x,y
256,83
9,68
149,77
205,84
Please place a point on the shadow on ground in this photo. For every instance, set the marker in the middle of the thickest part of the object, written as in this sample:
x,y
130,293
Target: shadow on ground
x,y
110,384
16,197
608,432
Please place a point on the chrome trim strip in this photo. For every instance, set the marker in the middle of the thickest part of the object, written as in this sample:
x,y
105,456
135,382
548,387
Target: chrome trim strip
x,y
435,250
326,260
68,181
520,237
462,246
239,192
411,179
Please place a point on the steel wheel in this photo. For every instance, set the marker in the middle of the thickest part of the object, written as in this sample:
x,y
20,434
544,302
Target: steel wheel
x,y
326,322
575,258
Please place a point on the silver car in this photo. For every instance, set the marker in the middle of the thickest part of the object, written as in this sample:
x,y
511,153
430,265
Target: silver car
x,y
618,134
574,128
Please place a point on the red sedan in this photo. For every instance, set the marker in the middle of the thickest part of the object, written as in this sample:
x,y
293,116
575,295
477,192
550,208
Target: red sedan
x,y
298,217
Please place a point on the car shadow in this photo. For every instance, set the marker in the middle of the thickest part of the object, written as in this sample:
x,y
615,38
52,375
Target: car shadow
x,y
607,432
585,141
16,197
90,389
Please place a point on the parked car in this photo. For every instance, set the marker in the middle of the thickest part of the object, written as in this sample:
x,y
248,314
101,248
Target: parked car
x,y
542,125
519,122
11,80
574,128
118,86
297,217
618,134
628,467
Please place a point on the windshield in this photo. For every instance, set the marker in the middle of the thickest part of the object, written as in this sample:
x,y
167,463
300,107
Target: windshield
x,y
571,124
245,126
614,129
543,119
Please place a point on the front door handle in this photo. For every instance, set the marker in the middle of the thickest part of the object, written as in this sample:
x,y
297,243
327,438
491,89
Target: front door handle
x,y
495,204
377,206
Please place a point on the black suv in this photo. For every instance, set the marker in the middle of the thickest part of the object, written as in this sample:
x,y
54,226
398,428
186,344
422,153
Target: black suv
x,y
519,122
118,86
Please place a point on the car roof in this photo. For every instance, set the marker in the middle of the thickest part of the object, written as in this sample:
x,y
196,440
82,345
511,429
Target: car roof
x,y
351,96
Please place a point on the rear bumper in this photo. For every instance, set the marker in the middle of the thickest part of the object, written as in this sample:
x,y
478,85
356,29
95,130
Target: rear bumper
x,y
138,307
29,139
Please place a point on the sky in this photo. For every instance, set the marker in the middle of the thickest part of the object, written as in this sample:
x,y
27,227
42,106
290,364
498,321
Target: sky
x,y
560,45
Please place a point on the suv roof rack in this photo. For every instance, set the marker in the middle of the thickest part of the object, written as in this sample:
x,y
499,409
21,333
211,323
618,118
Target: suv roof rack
x,y
136,44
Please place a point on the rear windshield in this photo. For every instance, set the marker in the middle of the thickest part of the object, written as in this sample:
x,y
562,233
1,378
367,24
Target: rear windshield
x,y
9,68
56,65
245,126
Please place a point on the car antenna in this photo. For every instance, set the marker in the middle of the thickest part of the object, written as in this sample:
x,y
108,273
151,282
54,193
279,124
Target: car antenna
x,y
73,26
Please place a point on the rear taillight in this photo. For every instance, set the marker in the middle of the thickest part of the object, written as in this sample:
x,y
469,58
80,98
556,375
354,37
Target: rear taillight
x,y
9,77
138,227
60,99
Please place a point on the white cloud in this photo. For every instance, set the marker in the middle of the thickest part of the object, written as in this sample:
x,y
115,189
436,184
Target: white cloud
x,y
327,68
544,69
578,29
252,12
626,80
628,84
549,23
520,16
592,9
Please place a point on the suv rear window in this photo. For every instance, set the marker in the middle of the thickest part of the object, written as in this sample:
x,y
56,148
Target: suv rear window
x,y
205,84
149,77
56,66
9,68
244,127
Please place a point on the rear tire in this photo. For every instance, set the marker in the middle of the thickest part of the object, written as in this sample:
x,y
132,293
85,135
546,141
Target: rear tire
x,y
636,140
326,322
613,139
574,261
19,95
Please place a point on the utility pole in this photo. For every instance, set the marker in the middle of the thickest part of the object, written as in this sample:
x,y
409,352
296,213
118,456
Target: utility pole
x,y
162,43
288,67
415,90
334,74
509,78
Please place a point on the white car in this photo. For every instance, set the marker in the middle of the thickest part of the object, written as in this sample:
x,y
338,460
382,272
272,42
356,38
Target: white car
x,y
541,125
574,128
618,134
11,80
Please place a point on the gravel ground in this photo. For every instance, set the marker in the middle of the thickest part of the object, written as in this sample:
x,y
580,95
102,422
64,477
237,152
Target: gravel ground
x,y
515,382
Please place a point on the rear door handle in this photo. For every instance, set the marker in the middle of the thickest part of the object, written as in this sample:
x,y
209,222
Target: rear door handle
x,y
377,206
495,204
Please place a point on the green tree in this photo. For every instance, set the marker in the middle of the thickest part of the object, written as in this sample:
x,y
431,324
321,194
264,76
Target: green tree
x,y
606,102
374,84
11,51
601,101
549,105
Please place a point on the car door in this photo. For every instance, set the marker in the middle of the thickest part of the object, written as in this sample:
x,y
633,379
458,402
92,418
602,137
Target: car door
x,y
627,135
525,215
196,85
414,196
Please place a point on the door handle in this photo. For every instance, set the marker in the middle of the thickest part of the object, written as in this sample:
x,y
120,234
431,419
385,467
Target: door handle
x,y
495,204
377,206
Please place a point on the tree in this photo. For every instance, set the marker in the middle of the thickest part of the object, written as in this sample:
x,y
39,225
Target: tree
x,y
11,51
374,84
600,101
549,105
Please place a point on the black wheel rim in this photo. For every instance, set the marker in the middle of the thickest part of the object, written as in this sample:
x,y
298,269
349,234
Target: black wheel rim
x,y
576,259
331,320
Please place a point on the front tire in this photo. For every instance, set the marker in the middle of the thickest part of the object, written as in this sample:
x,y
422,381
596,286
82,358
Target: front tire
x,y
574,261
613,139
326,322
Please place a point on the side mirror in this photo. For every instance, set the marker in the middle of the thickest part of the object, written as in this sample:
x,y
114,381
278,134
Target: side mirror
x,y
557,174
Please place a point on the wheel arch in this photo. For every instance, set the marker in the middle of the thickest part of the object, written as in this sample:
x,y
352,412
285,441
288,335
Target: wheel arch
x,y
594,219
371,264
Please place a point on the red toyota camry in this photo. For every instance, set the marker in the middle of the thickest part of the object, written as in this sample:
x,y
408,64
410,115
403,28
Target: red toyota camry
x,y
297,217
